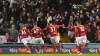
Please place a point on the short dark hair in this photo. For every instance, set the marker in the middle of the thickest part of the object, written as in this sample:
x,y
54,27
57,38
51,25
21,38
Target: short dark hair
x,y
50,22
79,22
35,23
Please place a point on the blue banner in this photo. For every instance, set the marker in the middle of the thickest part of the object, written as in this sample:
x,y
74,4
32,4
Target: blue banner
x,y
67,48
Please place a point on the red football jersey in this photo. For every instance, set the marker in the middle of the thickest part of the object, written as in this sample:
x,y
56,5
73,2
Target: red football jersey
x,y
24,33
37,32
75,29
82,30
52,30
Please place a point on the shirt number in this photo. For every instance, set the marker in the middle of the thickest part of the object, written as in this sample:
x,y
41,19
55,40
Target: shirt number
x,y
23,32
82,28
52,29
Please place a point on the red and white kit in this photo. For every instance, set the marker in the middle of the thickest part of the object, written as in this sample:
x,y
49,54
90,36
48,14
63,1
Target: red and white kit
x,y
53,33
37,34
80,33
24,35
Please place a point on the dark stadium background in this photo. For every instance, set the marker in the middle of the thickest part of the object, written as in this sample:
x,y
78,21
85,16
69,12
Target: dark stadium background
x,y
23,13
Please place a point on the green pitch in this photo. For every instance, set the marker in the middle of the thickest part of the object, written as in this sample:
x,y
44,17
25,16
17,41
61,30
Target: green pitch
x,y
48,55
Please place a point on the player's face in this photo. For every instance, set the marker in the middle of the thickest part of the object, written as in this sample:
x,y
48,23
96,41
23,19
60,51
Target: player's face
x,y
35,25
24,27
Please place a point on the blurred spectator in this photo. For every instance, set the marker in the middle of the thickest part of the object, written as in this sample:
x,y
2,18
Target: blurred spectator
x,y
91,32
23,16
97,20
71,32
1,18
13,34
94,14
17,26
3,32
66,18
5,14
30,21
92,3
49,18
98,35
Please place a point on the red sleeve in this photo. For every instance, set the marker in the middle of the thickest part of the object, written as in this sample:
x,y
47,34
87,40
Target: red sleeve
x,y
46,28
41,31
85,26
71,27
57,26
86,30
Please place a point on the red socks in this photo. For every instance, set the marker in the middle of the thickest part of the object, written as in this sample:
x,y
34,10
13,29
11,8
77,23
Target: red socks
x,y
79,49
37,48
27,48
54,46
60,46
84,44
45,47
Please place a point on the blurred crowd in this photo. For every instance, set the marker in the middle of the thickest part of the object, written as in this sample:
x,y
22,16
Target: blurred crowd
x,y
14,14
89,15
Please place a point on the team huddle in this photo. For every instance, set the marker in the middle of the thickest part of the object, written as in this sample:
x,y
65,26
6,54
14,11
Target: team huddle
x,y
35,36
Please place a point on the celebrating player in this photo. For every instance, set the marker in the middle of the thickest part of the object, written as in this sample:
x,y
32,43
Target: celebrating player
x,y
24,35
83,32
53,34
80,36
37,34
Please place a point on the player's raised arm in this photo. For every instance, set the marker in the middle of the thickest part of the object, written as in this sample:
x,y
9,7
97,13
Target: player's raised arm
x,y
61,25
45,28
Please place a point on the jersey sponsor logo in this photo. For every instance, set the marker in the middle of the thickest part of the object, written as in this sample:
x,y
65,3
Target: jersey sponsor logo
x,y
93,50
0,50
13,50
22,50
74,50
